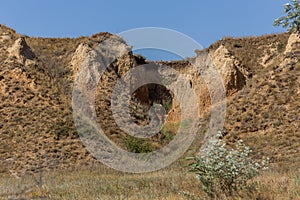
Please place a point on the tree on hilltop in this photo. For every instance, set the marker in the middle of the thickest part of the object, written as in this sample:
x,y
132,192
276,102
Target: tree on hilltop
x,y
292,19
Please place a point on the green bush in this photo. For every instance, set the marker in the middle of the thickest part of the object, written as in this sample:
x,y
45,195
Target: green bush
x,y
138,145
167,104
224,170
167,133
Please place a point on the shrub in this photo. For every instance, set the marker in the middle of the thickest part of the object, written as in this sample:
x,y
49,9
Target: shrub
x,y
167,133
224,170
167,104
138,145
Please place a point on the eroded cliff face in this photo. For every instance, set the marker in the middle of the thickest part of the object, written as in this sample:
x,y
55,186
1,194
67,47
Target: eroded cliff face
x,y
37,90
292,52
213,75
97,73
37,77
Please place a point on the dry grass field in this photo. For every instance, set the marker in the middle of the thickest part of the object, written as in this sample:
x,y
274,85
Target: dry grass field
x,y
171,183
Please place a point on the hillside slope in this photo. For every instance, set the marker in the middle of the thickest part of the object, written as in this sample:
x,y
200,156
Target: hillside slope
x,y
265,113
36,82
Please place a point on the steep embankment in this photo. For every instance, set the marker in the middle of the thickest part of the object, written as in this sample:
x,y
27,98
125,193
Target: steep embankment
x,y
261,77
260,74
36,128
265,113
36,81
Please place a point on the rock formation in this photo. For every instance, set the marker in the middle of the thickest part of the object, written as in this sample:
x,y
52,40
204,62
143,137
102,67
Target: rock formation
x,y
292,52
20,51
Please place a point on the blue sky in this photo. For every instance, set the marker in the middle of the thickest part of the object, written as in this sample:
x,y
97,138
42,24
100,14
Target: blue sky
x,y
204,21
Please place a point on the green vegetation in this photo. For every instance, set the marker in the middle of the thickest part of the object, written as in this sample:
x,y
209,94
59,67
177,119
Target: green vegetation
x,y
222,170
167,103
167,133
292,19
137,145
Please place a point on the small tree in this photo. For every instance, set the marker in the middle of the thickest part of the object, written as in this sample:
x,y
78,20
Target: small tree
x,y
292,19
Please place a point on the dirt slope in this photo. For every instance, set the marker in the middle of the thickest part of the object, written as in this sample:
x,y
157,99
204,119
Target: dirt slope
x,y
261,76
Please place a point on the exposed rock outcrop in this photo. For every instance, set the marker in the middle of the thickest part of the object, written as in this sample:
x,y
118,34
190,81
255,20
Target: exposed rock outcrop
x,y
37,126
97,71
201,73
213,76
21,52
293,43
4,38
79,56
292,52
232,72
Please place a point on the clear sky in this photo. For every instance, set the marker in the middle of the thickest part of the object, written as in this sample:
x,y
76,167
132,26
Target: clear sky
x,y
204,21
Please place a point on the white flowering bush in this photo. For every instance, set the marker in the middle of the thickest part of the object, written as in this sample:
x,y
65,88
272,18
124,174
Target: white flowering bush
x,y
224,170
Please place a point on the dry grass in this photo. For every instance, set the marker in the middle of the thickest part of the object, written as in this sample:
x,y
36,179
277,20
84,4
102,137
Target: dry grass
x,y
104,183
249,50
171,183
265,114
275,185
